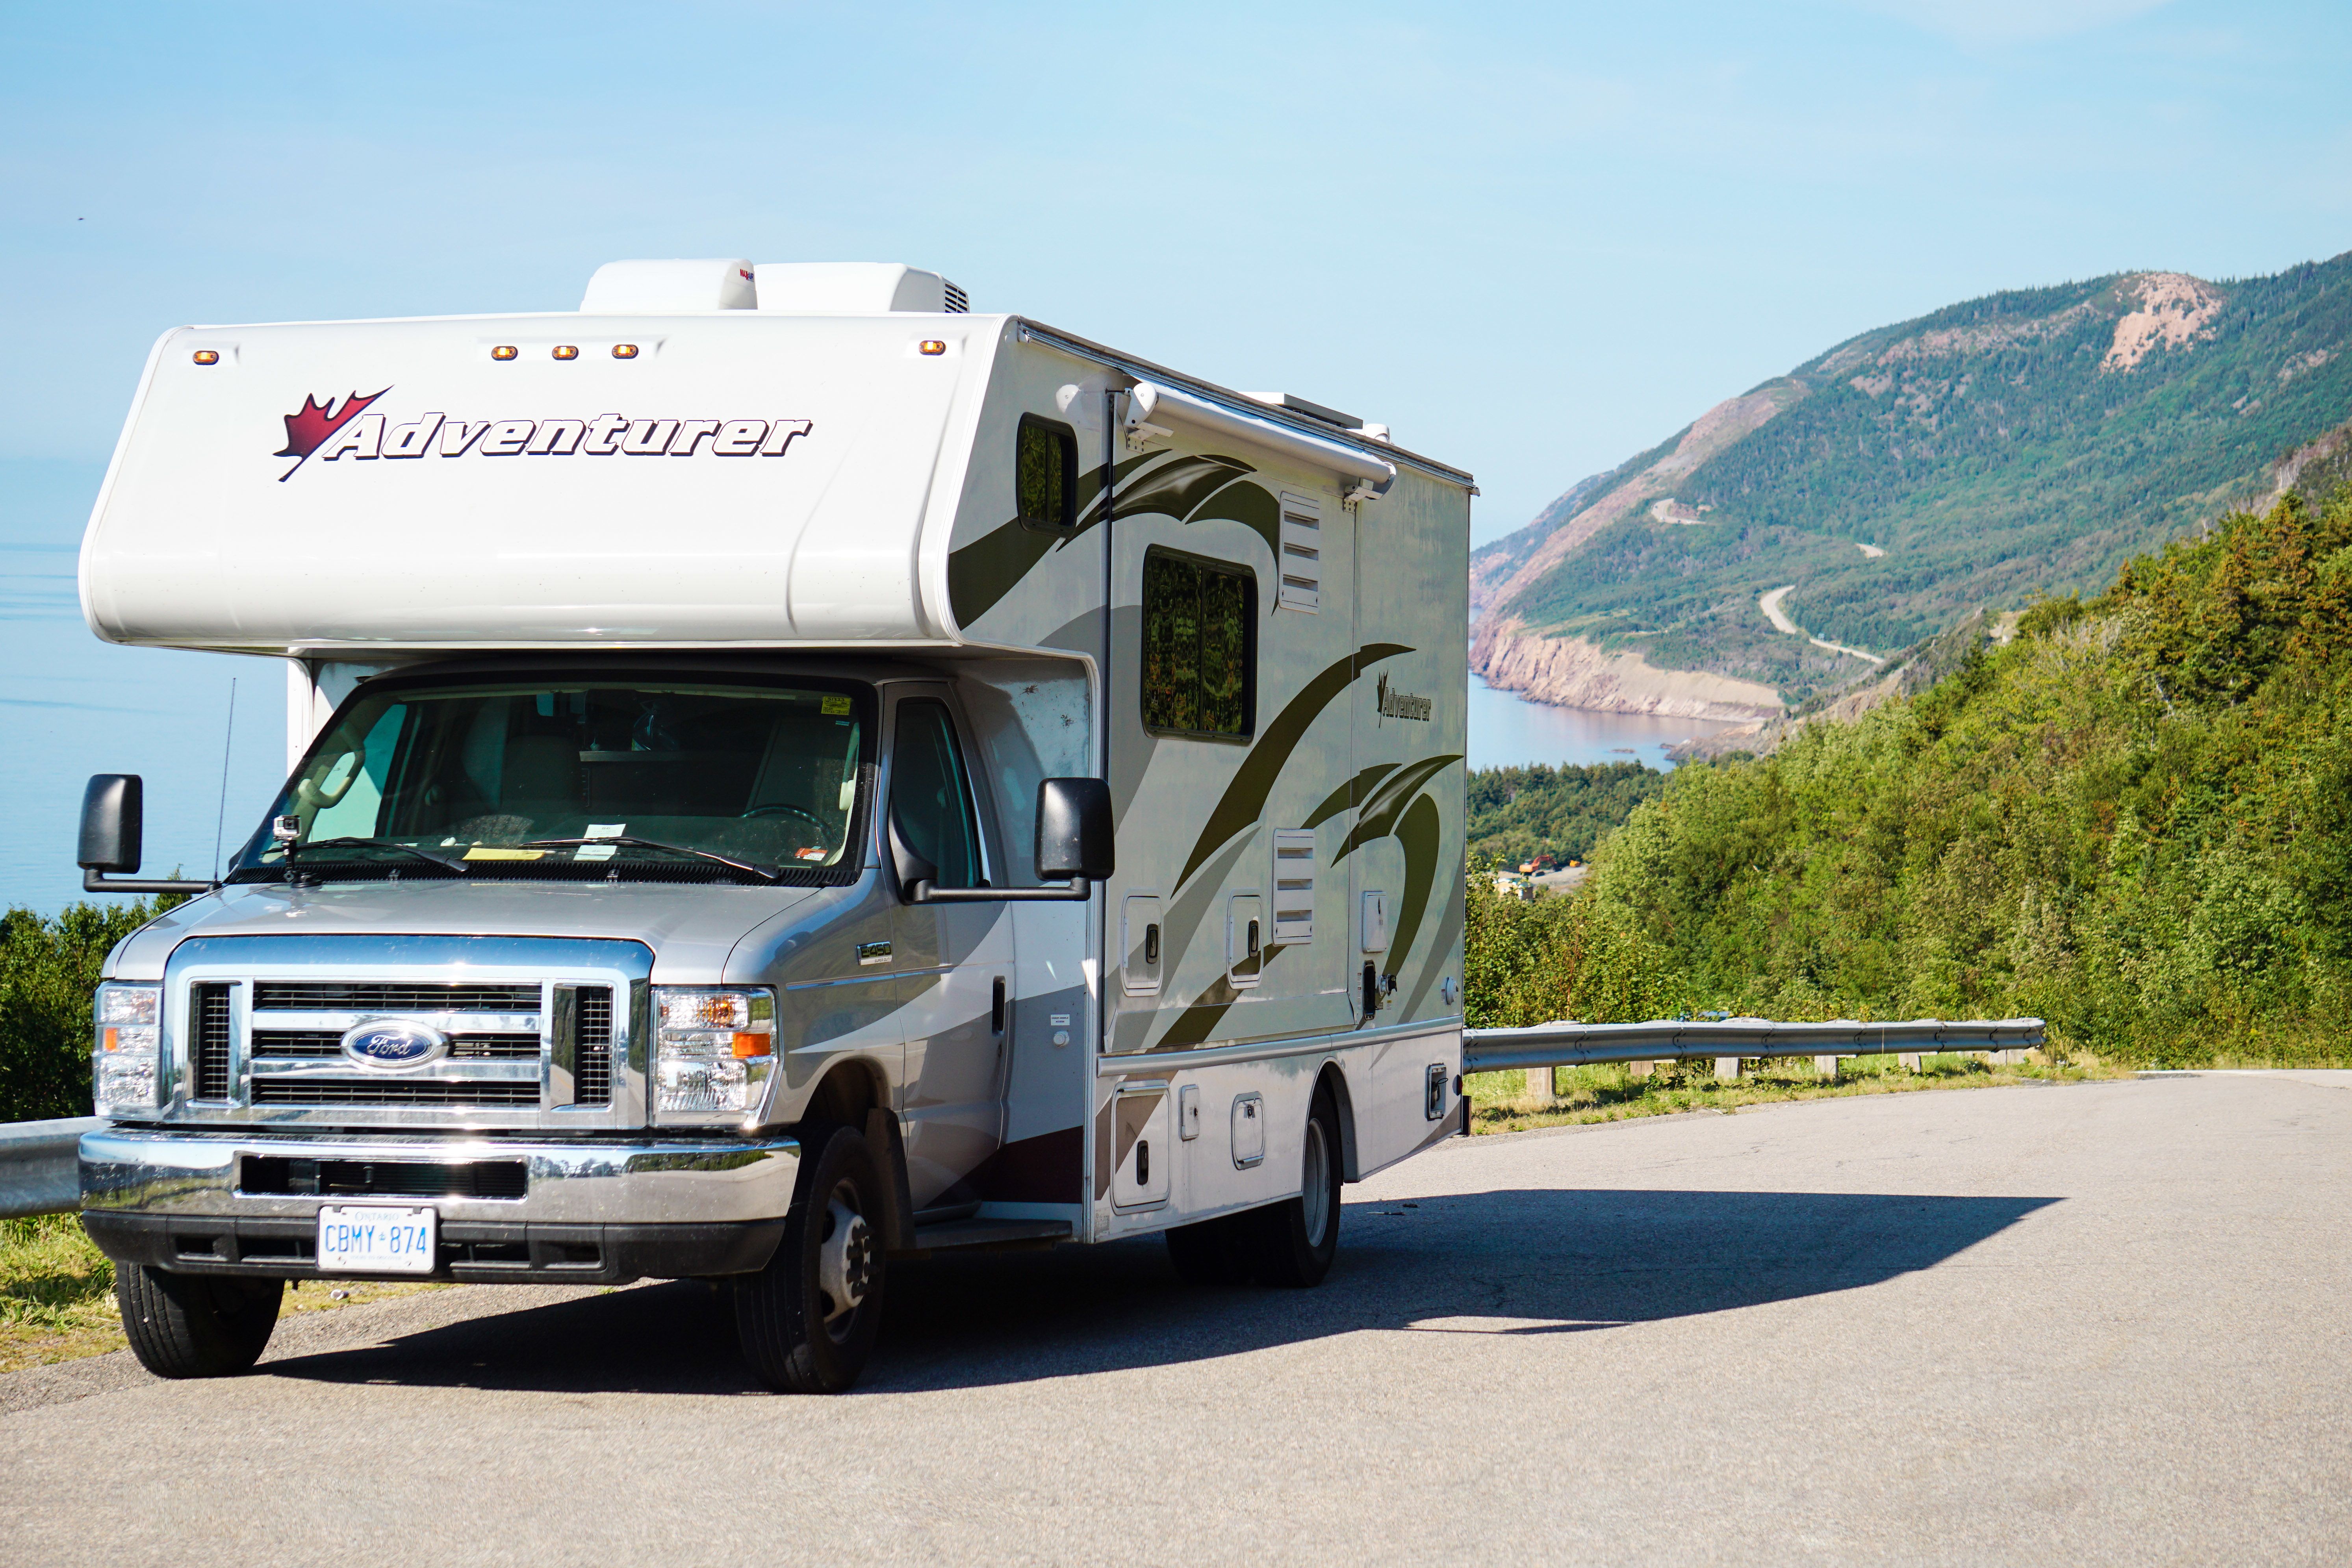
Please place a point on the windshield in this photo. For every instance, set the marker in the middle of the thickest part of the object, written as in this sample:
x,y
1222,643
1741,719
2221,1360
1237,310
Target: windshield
x,y
648,778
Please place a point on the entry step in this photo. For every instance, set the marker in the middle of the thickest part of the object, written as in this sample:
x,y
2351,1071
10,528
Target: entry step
x,y
956,1233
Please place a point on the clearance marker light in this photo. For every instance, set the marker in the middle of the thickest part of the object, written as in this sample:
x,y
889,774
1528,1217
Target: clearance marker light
x,y
625,350
566,352
208,356
933,346
503,351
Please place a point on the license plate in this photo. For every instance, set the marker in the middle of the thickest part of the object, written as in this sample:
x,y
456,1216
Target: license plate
x,y
376,1238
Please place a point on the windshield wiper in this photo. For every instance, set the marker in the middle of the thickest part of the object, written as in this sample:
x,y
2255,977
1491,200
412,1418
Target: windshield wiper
x,y
764,872
453,864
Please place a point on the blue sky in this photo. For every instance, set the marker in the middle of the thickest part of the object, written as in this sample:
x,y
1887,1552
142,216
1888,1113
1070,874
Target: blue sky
x,y
1533,239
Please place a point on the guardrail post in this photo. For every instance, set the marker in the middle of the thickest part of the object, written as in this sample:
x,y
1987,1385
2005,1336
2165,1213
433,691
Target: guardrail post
x,y
1825,1066
1909,1059
1727,1067
1640,1069
1540,1086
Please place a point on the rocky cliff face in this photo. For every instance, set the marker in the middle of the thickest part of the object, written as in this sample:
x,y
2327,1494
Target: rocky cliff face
x,y
1569,672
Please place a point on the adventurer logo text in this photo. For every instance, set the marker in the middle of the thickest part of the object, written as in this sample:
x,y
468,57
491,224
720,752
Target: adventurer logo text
x,y
1396,704
332,433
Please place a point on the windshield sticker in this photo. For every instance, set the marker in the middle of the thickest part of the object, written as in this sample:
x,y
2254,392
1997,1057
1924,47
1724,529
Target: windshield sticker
x,y
834,706
604,829
333,432
485,852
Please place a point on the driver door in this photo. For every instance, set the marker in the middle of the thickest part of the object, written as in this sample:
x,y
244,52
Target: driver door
x,y
959,1029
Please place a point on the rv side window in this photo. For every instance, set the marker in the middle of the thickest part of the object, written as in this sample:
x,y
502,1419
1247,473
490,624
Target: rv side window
x,y
1045,473
1200,647
927,795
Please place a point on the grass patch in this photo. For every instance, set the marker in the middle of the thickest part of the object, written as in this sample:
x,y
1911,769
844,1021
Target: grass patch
x,y
1500,1102
56,1294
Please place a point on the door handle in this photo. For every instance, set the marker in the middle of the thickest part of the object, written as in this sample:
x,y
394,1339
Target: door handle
x,y
996,1004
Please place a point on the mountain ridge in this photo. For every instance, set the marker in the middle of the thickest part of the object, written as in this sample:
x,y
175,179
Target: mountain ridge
x,y
2024,443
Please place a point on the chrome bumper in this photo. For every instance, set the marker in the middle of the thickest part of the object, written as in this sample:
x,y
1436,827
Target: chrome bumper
x,y
598,1211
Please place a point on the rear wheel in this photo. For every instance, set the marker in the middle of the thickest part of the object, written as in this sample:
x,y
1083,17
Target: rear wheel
x,y
808,1320
1293,1242
195,1326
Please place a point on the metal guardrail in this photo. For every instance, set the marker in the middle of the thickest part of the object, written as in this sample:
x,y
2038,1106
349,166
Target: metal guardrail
x,y
40,1165
40,1169
1585,1044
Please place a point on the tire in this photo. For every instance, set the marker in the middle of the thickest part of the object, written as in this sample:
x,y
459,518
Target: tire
x,y
195,1326
1211,1251
808,1320
1292,1243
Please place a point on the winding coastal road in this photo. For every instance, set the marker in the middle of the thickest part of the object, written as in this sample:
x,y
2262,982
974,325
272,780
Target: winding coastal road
x,y
2097,1323
1770,601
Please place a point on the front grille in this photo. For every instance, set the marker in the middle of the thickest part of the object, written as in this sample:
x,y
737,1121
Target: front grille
x,y
464,1047
208,1041
389,1092
273,1176
456,997
591,1072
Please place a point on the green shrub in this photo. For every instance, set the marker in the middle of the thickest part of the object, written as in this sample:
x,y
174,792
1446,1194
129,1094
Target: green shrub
x,y
48,968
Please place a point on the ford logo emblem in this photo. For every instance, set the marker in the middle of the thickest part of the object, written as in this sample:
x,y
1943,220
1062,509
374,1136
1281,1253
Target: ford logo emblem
x,y
391,1044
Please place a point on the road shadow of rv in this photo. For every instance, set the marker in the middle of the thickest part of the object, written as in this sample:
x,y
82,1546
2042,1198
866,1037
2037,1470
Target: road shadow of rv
x,y
1512,1262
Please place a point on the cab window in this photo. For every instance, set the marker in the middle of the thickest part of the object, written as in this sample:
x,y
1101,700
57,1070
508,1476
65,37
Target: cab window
x,y
929,797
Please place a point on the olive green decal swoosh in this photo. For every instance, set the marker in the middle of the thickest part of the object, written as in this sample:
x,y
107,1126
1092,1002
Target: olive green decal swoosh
x,y
1200,1021
1245,798
1391,800
1253,505
984,571
1419,832
1448,929
1175,488
1357,788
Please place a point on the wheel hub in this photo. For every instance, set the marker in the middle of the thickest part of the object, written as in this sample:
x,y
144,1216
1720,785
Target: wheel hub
x,y
1314,1185
845,1259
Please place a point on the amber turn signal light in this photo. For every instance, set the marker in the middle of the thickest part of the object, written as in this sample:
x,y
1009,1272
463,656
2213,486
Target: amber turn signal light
x,y
208,356
933,346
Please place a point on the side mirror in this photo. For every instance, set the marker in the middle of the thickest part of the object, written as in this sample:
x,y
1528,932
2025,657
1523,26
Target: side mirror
x,y
112,810
1074,829
1073,849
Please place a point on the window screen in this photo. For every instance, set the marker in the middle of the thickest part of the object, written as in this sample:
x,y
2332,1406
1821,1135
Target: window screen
x,y
928,794
1200,647
1045,473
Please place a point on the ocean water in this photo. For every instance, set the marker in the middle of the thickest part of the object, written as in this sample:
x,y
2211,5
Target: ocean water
x,y
1505,729
71,706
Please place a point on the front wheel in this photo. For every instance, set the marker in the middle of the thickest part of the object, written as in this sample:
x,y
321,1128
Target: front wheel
x,y
1293,1242
808,1320
195,1326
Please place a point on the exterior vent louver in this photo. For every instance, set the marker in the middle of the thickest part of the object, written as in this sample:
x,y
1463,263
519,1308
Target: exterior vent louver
x,y
958,302
1294,885
1300,569
208,1042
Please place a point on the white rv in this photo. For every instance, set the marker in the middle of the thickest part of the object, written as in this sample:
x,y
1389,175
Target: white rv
x,y
786,772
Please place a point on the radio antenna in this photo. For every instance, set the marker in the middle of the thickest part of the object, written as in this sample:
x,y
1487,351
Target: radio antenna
x,y
220,820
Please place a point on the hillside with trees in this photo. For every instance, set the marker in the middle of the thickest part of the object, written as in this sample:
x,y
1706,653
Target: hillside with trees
x,y
2134,820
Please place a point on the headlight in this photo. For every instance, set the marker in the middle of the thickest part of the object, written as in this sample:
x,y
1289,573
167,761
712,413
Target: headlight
x,y
713,1050
126,1060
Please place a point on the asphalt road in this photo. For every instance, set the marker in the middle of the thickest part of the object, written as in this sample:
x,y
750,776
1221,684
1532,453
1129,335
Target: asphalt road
x,y
2104,1322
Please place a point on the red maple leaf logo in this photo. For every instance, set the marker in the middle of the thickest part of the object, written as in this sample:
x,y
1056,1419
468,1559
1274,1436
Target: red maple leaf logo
x,y
307,431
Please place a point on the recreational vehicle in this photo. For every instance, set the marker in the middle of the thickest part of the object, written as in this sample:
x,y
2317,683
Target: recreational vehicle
x,y
787,774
